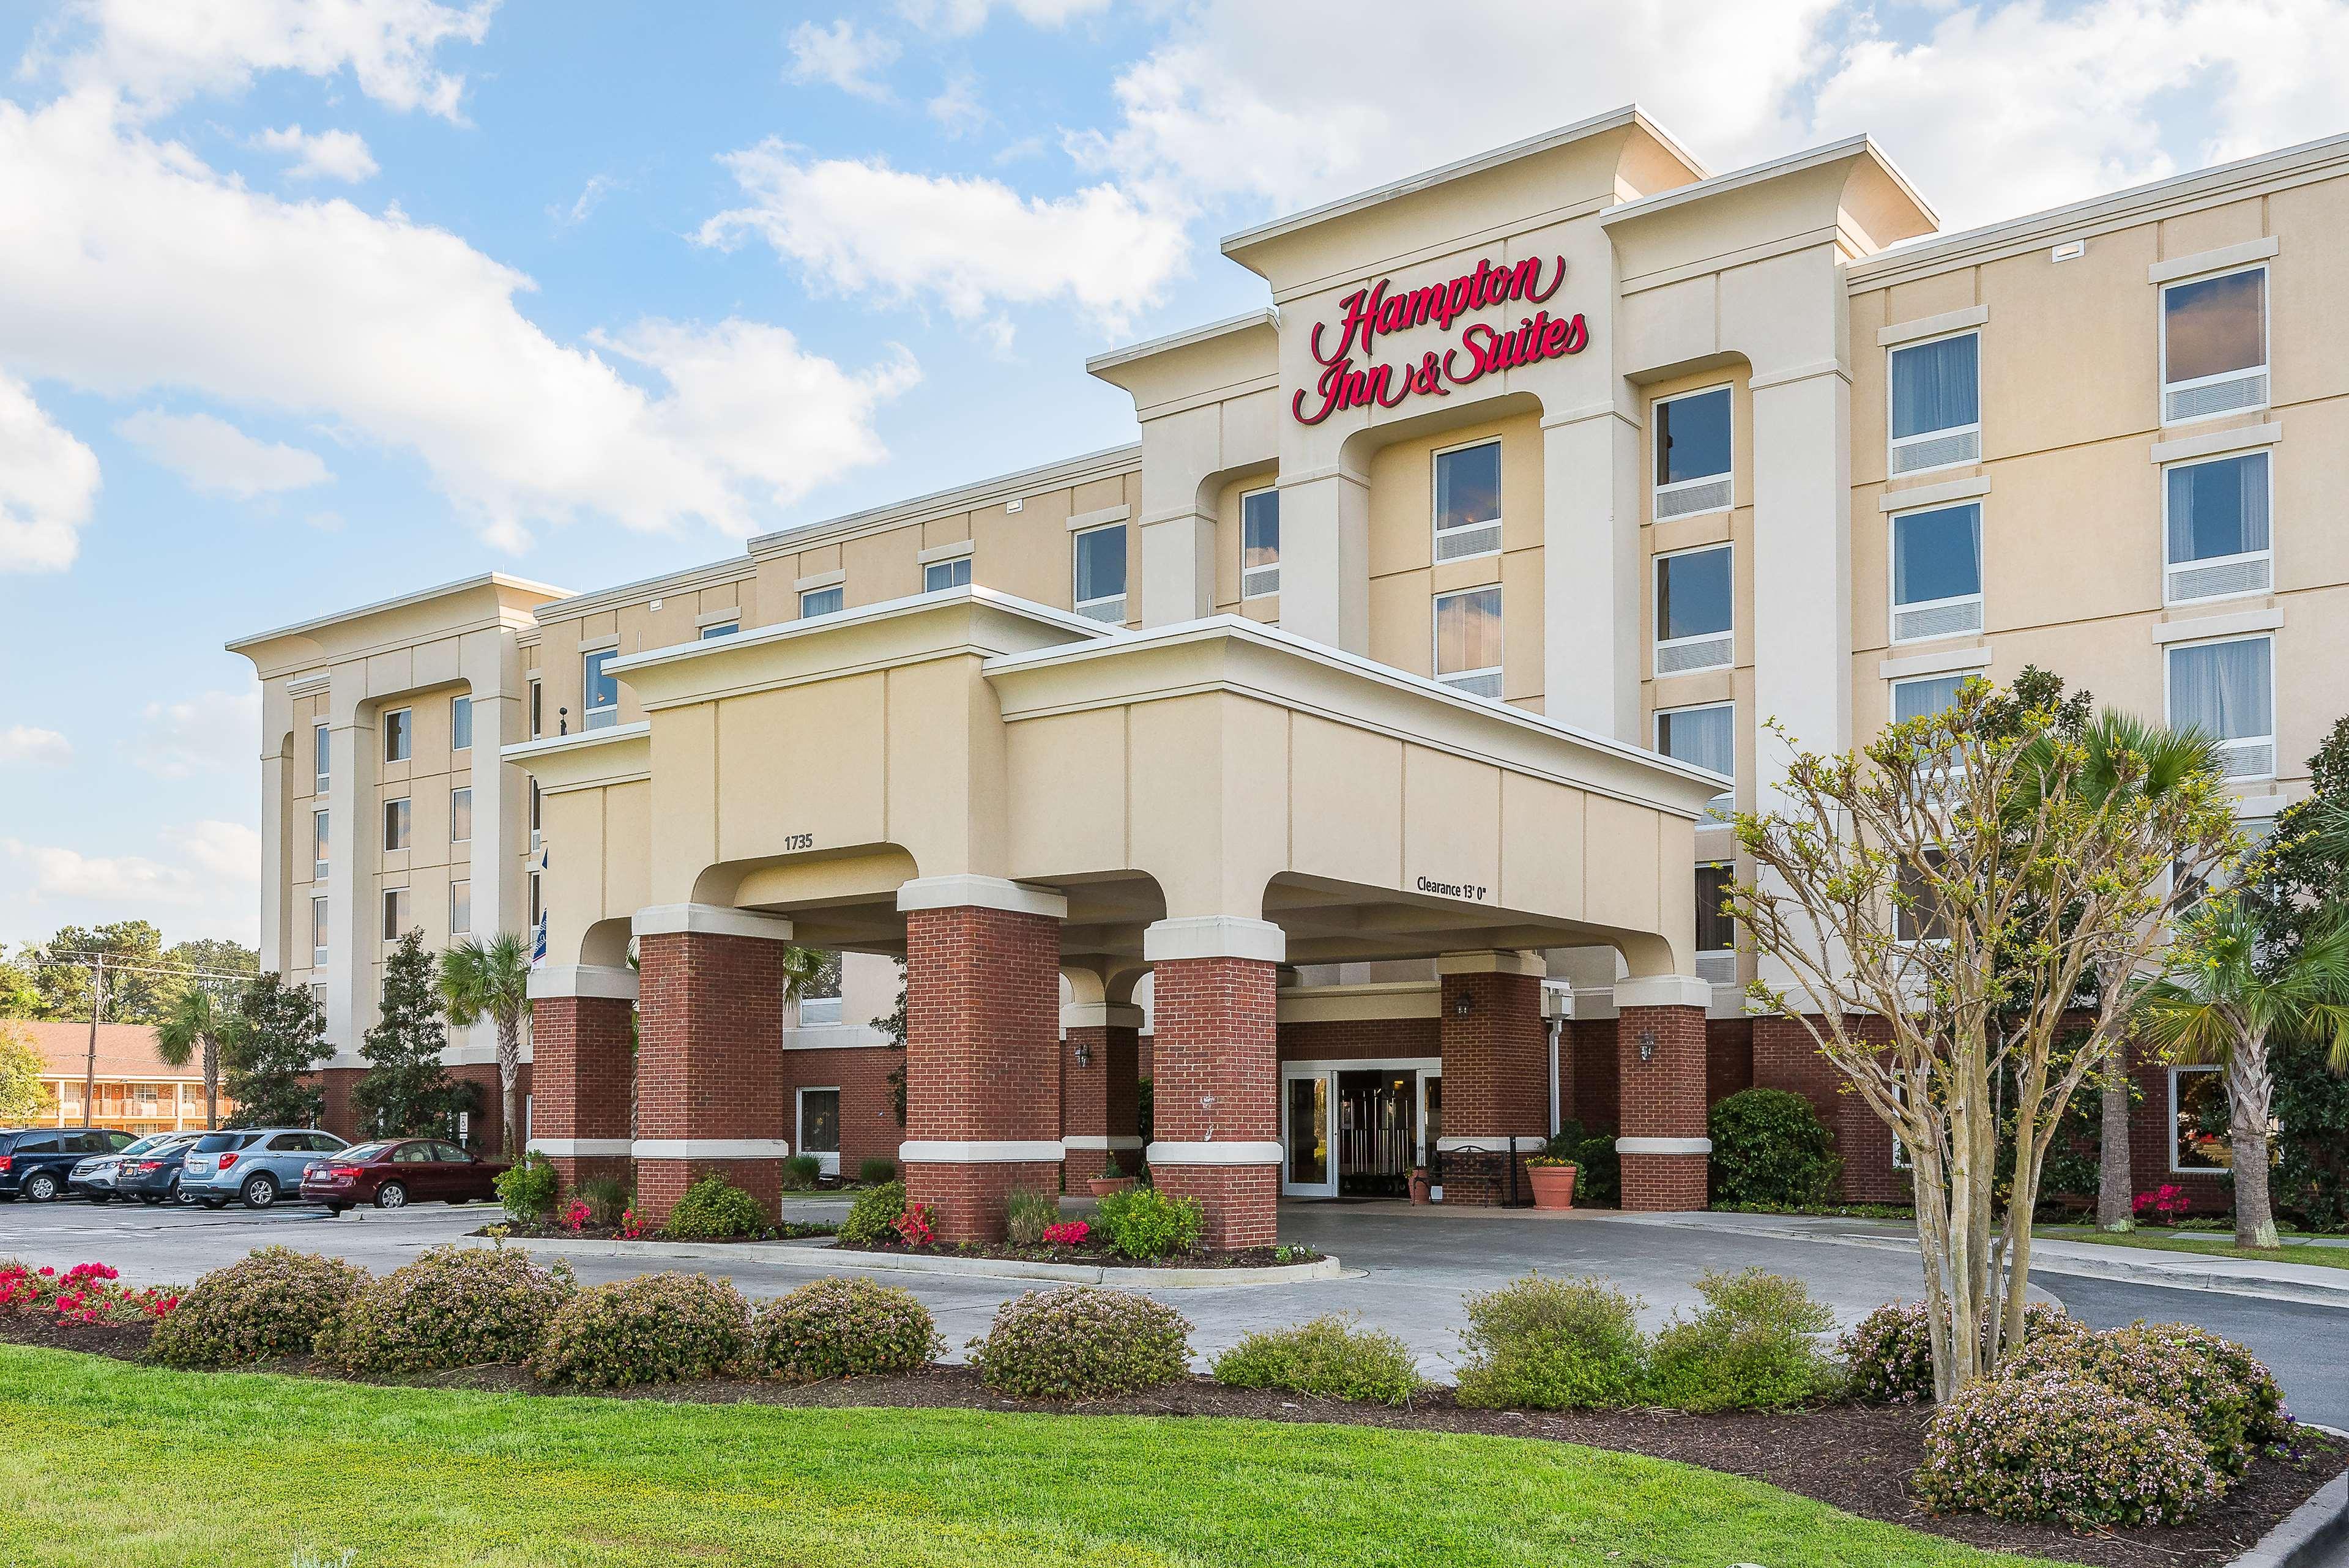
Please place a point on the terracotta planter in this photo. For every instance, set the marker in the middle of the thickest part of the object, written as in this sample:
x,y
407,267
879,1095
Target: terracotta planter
x,y
1553,1185
1103,1186
1421,1189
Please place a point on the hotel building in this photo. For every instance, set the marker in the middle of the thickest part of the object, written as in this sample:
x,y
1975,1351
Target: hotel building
x,y
1347,755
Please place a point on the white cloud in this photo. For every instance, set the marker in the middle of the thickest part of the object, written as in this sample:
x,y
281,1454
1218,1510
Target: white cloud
x,y
956,18
843,55
159,52
127,265
48,480
214,731
591,196
329,155
209,871
23,743
957,108
860,227
214,456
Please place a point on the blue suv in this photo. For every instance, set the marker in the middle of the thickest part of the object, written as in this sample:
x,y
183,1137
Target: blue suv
x,y
36,1163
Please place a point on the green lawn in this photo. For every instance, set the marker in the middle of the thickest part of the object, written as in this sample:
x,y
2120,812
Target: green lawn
x,y
2203,1243
121,1465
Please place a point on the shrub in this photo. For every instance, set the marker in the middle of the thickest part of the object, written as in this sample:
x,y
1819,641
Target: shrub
x,y
1889,1355
1083,1341
913,1226
1770,1147
90,1292
529,1187
652,1328
606,1198
1143,1222
876,1172
715,1209
1599,1181
872,1218
1027,1215
843,1328
2222,1394
801,1172
1547,1344
1749,1347
271,1302
1329,1356
1067,1233
2052,1447
452,1306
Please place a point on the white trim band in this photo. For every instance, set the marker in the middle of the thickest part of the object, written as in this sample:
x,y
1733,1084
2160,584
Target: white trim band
x,y
1213,936
1214,1154
1663,991
711,1149
708,920
2241,438
1095,1141
966,891
1009,1152
579,1148
1663,1146
1100,1016
2202,627
603,982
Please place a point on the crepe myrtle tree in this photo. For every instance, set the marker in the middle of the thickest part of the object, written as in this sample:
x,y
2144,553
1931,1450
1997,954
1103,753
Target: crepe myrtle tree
x,y
1938,901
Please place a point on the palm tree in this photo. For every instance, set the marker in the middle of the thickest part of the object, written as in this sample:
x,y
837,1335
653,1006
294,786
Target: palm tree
x,y
492,980
196,1023
2122,755
2222,999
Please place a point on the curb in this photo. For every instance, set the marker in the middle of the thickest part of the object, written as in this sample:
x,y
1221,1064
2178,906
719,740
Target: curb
x,y
821,1256
2313,1535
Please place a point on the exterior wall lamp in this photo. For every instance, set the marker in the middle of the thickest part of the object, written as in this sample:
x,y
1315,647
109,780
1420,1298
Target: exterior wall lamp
x,y
1084,1055
1646,1045
1462,1005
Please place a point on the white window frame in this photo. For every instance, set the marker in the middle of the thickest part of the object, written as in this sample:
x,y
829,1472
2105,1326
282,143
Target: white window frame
x,y
2169,567
829,1160
1657,490
1892,689
2265,368
321,843
1894,609
1262,590
1659,644
1434,489
400,722
2169,1160
1109,608
537,899
1656,739
947,566
2224,747
1716,971
467,837
1893,444
537,709
1455,678
320,925
456,705
467,884
840,589
609,714
537,816
392,926
322,754
401,807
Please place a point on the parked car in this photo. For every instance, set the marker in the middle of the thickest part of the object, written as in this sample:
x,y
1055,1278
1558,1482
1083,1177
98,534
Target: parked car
x,y
393,1173
151,1173
98,1178
35,1162
258,1164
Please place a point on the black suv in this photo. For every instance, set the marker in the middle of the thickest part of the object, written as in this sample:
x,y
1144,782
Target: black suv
x,y
35,1162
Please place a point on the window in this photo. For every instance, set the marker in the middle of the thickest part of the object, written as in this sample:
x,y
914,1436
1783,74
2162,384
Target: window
x,y
822,601
461,723
2226,690
722,629
395,913
318,842
319,753
599,694
1924,698
2198,1120
1716,933
1918,916
537,711
1259,544
2214,529
1936,403
820,996
1702,737
820,1126
317,933
460,908
1101,573
395,825
537,816
1468,502
939,575
1693,610
1937,573
1692,454
2214,346
398,735
461,816
537,900
1468,640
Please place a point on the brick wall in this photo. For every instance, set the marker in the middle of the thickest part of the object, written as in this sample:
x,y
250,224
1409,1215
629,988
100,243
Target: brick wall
x,y
1218,1039
487,1128
1662,1097
1350,1040
580,1078
334,1086
868,1114
1588,1087
1100,1099
709,1011
1496,1080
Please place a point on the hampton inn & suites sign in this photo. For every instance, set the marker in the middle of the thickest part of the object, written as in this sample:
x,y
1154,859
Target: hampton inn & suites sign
x,y
1482,347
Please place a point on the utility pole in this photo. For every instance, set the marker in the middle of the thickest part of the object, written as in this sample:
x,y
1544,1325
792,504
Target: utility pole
x,y
89,1066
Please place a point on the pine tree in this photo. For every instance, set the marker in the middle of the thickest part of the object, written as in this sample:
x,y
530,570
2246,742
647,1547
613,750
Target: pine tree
x,y
406,1090
282,1042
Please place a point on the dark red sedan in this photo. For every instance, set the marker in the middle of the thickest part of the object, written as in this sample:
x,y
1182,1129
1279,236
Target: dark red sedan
x,y
393,1173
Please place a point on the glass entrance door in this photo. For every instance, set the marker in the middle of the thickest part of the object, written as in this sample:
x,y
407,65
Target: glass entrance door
x,y
1306,1169
1377,1132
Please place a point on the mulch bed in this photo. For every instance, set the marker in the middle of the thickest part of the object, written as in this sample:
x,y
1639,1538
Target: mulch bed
x,y
1098,1257
792,1231
1855,1458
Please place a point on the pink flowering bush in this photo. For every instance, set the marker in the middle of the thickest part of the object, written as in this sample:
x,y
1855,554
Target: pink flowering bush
x,y
843,1328
2056,1447
653,1328
1889,1355
1067,1233
1083,1341
632,1225
271,1302
2165,1205
452,1306
913,1226
85,1294
574,1218
2225,1398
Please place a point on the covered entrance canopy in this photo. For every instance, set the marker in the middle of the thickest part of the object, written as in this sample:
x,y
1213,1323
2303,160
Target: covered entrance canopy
x,y
1002,792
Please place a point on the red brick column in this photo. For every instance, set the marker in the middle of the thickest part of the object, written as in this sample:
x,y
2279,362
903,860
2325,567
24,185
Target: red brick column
x,y
1496,1073
582,1071
1660,1064
982,1044
710,1053
1100,1089
1217,1072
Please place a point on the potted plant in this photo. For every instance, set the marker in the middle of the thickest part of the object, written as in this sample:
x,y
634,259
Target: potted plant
x,y
1552,1176
1421,1189
1111,1180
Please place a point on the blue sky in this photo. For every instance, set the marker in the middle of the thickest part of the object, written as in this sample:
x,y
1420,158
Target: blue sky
x,y
302,303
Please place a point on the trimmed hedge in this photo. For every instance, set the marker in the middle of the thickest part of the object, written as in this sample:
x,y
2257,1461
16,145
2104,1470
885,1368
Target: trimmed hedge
x,y
2064,1448
1143,1222
1889,1355
452,1306
872,1218
843,1328
1770,1147
1750,1347
2223,1394
271,1302
1081,1342
1542,1343
652,1328
1329,1357
715,1209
